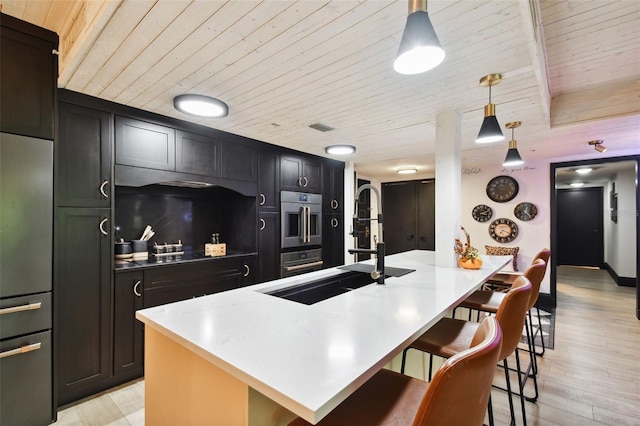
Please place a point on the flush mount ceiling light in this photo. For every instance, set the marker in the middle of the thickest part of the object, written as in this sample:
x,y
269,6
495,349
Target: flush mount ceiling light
x,y
407,170
340,149
490,130
201,106
597,145
577,184
584,170
420,49
513,156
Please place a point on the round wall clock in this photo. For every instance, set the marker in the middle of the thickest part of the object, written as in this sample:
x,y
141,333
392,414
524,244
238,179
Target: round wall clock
x,y
482,213
503,230
525,211
502,189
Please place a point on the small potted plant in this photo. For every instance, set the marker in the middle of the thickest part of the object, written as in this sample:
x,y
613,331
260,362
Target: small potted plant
x,y
469,255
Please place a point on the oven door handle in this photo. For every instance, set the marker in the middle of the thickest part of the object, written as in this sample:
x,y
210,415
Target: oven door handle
x,y
308,224
303,224
304,266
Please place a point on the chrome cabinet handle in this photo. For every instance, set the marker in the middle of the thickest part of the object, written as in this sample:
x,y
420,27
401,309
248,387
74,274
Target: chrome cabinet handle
x,y
21,350
306,181
135,288
334,204
300,181
247,270
263,224
334,222
263,199
21,308
102,186
101,226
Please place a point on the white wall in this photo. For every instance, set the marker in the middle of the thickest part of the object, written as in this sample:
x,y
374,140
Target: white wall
x,y
620,237
533,181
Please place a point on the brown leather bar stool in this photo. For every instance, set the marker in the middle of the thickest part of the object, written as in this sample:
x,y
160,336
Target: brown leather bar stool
x,y
449,336
502,282
457,395
489,301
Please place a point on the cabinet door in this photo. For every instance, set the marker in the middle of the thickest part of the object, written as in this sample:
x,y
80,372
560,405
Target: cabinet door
x,y
197,154
332,240
269,247
83,157
269,182
426,215
28,75
82,292
250,270
143,144
290,173
312,175
333,188
127,331
239,162
399,207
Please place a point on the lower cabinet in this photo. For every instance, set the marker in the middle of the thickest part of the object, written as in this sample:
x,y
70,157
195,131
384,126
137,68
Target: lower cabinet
x,y
127,331
332,240
269,246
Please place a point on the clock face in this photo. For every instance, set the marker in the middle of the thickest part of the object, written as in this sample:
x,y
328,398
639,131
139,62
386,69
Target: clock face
x,y
503,230
525,211
502,189
482,213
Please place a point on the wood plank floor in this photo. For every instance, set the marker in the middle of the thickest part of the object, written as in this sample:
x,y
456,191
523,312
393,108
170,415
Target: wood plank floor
x,y
592,377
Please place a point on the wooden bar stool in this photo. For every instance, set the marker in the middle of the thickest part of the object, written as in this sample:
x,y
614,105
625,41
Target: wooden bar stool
x,y
449,336
489,301
457,395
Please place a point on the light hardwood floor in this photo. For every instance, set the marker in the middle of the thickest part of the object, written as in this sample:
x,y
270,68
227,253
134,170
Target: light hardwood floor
x,y
592,377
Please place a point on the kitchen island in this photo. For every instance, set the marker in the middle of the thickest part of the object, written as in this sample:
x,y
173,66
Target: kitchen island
x,y
246,357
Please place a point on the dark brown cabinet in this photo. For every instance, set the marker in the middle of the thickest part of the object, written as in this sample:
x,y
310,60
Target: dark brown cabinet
x,y
269,182
409,215
197,154
239,162
300,174
269,246
84,154
333,187
83,301
332,240
143,144
128,342
28,78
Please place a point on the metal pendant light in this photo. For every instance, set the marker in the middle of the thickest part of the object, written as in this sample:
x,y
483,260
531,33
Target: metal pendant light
x,y
420,49
490,130
513,156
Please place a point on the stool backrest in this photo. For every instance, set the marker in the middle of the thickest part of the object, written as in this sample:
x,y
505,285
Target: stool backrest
x,y
511,314
543,254
459,391
535,274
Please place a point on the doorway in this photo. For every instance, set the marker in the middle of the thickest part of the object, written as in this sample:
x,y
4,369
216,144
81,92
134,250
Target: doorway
x,y
580,227
632,216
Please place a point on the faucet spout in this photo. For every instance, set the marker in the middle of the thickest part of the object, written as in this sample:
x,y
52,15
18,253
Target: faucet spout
x,y
378,273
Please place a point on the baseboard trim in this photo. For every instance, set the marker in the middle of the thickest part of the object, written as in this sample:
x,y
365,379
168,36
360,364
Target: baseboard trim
x,y
620,281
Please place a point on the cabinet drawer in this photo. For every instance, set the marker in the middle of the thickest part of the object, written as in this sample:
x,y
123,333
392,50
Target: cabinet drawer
x,y
25,388
25,314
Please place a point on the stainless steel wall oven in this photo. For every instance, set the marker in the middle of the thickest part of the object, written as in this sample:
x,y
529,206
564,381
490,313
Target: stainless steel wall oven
x,y
301,219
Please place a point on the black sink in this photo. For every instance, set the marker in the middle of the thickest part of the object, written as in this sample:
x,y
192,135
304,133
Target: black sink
x,y
319,290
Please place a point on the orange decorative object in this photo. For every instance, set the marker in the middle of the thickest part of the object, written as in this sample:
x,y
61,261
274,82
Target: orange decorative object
x,y
470,263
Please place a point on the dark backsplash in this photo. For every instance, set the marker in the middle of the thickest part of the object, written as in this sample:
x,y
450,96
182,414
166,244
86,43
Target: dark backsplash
x,y
186,214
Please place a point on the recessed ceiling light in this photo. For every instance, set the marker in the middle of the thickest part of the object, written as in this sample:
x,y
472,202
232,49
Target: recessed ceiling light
x,y
201,106
407,170
577,184
340,149
584,170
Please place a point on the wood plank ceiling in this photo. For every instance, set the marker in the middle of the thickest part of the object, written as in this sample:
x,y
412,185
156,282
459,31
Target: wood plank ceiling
x,y
571,70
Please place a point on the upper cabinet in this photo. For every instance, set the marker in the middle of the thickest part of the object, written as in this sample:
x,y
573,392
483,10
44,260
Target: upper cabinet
x,y
300,174
239,162
197,154
333,187
143,144
28,80
84,152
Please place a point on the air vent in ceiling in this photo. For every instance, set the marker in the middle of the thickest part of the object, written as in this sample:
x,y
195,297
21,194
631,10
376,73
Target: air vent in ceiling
x,y
321,127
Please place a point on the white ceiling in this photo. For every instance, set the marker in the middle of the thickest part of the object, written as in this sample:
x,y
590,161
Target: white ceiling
x,y
571,71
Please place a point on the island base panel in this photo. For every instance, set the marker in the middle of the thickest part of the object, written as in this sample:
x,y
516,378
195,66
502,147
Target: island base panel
x,y
183,388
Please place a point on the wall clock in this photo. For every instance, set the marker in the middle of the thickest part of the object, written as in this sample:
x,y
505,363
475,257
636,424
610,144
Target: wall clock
x,y
482,213
525,211
502,189
503,230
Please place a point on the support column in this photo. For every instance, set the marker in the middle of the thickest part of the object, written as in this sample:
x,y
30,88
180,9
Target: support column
x,y
448,185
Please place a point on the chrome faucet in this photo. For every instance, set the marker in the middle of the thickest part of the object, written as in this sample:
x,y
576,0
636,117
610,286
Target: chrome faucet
x,y
378,273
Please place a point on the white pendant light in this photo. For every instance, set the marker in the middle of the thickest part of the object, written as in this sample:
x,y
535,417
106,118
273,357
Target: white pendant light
x,y
420,49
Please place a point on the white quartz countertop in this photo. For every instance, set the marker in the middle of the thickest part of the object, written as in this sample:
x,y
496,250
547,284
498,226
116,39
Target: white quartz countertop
x,y
309,358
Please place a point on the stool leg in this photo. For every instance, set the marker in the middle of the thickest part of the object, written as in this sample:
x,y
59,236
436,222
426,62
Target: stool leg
x,y
541,334
521,386
404,359
509,393
490,410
